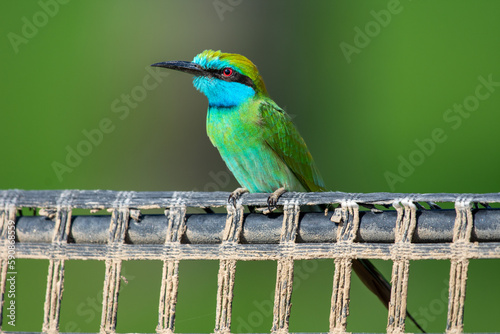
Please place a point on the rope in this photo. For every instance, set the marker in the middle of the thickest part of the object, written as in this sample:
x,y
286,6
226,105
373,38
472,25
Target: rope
x,y
405,226
346,233
458,270
170,276
227,267
55,276
259,252
284,272
117,231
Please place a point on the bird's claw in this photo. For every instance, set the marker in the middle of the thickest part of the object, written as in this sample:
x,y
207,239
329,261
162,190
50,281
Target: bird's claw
x,y
235,195
271,203
272,200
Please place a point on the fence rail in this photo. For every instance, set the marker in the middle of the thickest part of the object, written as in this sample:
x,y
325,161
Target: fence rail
x,y
406,233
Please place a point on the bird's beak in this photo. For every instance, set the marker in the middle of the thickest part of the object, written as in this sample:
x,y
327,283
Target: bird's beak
x,y
183,66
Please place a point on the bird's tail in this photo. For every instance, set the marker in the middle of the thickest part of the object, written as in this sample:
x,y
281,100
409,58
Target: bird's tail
x,y
377,283
369,274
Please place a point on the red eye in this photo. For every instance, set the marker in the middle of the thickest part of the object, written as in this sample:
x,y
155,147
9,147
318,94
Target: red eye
x,y
227,71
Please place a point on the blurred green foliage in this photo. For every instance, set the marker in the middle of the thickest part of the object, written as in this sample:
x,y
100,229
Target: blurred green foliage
x,y
368,83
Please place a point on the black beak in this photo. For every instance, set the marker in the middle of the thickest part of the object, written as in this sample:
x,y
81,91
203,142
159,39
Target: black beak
x,y
183,66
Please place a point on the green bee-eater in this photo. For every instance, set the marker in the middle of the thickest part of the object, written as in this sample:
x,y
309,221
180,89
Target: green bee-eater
x,y
257,139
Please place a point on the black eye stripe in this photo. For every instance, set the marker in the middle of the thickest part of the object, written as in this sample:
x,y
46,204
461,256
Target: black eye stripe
x,y
235,77
238,77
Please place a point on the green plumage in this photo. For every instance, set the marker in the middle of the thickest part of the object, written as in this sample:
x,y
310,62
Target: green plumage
x,y
257,139
254,136
262,147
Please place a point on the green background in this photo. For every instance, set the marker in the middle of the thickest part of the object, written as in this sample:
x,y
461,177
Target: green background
x,y
361,115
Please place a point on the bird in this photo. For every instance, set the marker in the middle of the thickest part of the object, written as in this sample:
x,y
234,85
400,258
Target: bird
x,y
258,141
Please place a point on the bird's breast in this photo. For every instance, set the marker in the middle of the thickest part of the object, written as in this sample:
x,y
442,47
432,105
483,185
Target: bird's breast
x,y
240,139
231,127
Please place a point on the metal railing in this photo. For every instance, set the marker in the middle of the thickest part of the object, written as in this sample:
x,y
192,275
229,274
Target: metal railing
x,y
469,231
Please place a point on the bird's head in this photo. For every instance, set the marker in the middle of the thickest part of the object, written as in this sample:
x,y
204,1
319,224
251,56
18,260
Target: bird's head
x,y
227,79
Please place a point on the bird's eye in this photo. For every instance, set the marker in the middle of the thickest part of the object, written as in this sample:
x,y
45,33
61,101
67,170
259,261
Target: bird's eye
x,y
227,72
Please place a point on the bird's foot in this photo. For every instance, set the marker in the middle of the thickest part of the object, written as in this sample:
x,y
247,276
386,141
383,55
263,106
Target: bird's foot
x,y
273,199
235,195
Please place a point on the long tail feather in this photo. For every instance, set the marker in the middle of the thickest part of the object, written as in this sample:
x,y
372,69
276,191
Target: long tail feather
x,y
377,284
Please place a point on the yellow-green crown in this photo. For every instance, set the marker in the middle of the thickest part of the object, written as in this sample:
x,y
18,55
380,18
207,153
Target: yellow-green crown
x,y
210,59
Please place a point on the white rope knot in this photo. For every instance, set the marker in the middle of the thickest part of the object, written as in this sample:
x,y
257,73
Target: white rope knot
x,y
406,221
349,223
290,226
464,220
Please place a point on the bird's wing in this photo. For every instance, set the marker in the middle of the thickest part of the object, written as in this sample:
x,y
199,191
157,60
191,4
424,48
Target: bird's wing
x,y
284,139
